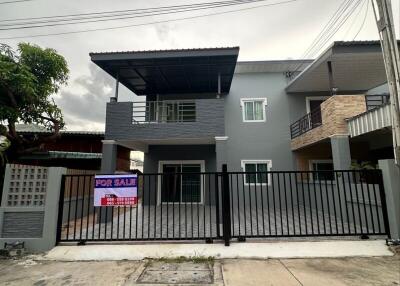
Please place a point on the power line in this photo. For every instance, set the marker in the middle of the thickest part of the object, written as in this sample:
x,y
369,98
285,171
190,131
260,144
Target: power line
x,y
17,1
315,47
139,10
349,8
147,23
47,24
327,26
354,19
363,22
343,20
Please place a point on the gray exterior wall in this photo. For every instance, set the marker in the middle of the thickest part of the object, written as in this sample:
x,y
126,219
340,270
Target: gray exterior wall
x,y
178,152
268,140
209,123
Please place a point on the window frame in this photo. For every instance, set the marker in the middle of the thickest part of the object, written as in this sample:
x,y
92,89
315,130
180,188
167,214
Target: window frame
x,y
316,98
263,161
317,161
253,99
182,162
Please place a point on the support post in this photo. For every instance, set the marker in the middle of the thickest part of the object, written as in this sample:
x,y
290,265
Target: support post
x,y
384,21
219,85
108,166
341,155
116,87
391,184
109,157
220,150
226,209
332,87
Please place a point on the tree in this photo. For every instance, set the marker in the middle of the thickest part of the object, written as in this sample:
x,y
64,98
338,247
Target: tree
x,y
28,79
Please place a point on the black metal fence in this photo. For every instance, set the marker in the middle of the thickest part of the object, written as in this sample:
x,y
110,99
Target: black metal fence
x,y
225,205
170,207
323,203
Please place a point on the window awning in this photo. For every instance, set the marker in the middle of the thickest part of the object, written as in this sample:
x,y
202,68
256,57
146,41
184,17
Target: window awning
x,y
171,71
356,67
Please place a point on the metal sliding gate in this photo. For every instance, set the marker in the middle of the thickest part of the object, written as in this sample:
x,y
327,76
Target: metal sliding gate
x,y
226,205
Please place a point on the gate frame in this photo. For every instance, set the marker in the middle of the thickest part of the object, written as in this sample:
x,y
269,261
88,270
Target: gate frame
x,y
223,210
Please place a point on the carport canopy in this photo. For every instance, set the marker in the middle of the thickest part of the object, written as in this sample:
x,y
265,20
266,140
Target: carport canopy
x,y
357,66
171,71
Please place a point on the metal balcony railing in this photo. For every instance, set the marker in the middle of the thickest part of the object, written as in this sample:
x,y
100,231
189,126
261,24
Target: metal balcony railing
x,y
166,111
307,122
373,101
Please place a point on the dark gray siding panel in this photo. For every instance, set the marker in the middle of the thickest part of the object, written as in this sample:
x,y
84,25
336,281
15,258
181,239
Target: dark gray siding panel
x,y
23,224
209,123
179,152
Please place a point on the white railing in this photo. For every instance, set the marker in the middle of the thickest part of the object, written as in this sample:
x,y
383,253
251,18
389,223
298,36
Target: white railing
x,y
166,111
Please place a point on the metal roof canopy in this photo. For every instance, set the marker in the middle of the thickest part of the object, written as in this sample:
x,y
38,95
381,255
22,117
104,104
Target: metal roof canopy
x,y
171,71
356,67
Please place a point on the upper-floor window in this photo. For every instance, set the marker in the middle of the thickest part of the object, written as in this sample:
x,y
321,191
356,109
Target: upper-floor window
x,y
256,171
253,109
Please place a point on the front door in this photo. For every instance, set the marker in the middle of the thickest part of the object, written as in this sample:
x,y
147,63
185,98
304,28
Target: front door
x,y
181,183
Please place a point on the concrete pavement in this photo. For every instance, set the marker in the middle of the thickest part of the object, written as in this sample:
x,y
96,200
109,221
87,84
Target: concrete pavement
x,y
316,271
253,250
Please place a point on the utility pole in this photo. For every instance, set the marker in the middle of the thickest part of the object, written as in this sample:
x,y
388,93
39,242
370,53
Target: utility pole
x,y
384,21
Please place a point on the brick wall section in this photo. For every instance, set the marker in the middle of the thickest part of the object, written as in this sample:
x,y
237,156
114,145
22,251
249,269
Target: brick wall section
x,y
210,122
334,111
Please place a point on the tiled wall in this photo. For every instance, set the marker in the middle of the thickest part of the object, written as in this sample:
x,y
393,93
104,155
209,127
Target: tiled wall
x,y
334,111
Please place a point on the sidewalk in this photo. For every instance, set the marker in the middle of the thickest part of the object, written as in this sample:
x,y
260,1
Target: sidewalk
x,y
247,250
286,272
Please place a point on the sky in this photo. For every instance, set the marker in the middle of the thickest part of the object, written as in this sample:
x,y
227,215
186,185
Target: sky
x,y
266,33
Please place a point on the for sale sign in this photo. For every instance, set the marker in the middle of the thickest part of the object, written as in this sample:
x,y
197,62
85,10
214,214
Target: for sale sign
x,y
115,190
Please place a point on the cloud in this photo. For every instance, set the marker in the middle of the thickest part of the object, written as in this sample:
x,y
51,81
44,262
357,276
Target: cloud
x,y
84,103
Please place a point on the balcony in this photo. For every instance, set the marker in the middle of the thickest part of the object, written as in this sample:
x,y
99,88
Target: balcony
x,y
377,116
327,120
166,122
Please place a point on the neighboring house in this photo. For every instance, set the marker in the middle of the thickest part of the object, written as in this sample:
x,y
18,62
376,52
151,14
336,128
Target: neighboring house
x,y
353,125
136,165
202,109
74,149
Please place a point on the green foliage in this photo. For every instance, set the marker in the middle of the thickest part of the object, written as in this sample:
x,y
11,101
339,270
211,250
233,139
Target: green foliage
x,y
364,165
4,145
27,81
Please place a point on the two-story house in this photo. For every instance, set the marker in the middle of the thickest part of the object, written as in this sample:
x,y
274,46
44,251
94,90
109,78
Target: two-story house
x,y
200,109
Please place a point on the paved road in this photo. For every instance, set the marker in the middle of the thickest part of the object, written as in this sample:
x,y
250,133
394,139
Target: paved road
x,y
332,272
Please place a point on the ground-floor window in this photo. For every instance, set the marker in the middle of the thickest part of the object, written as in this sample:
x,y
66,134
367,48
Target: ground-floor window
x,y
260,169
322,165
181,181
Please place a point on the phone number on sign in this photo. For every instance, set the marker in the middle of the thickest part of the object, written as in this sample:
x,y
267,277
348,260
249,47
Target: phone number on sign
x,y
121,201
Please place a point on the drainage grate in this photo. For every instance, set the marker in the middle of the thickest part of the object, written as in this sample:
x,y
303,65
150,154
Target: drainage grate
x,y
177,273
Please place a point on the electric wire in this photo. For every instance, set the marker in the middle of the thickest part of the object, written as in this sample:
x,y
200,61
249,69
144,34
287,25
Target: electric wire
x,y
354,19
113,13
320,35
17,1
338,23
363,23
146,23
51,23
